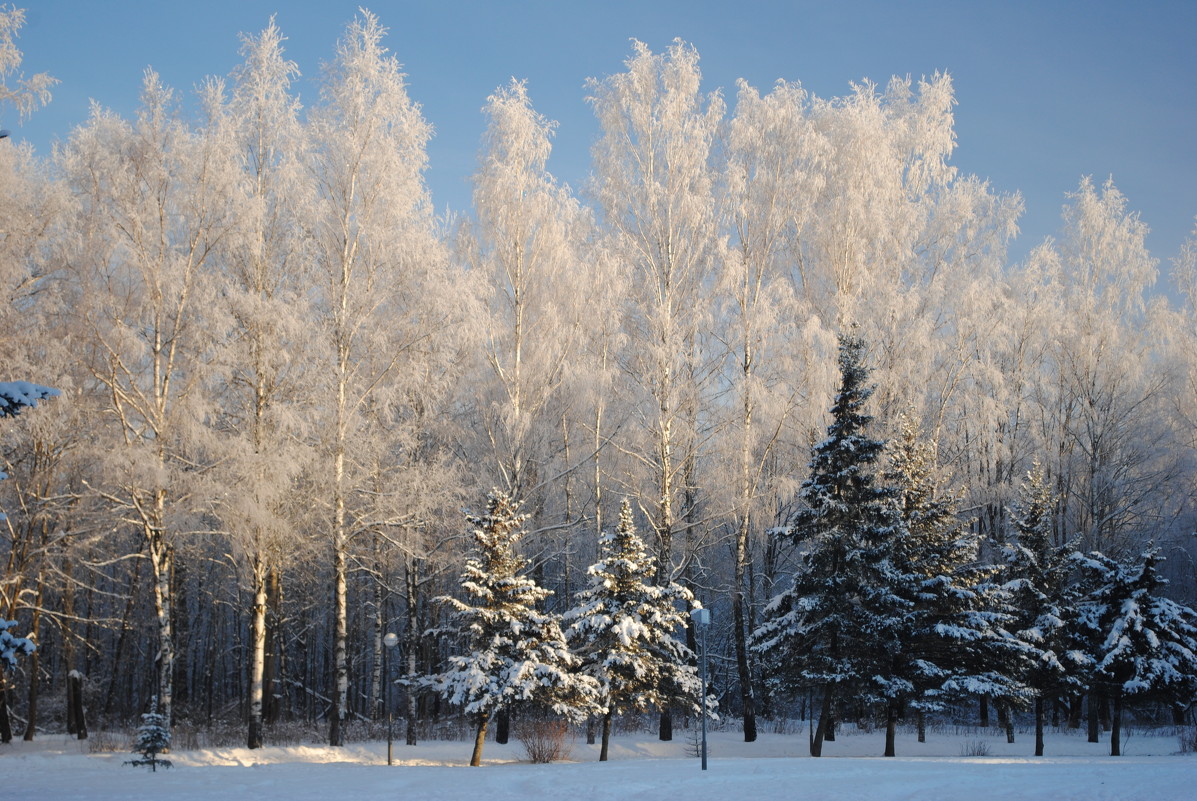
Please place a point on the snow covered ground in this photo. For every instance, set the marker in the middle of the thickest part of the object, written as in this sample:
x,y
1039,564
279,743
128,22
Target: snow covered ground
x,y
775,767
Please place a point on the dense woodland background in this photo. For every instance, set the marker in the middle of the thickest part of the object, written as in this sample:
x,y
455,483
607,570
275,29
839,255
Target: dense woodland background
x,y
285,382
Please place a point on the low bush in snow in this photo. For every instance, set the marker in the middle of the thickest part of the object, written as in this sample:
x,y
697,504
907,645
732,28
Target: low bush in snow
x,y
546,739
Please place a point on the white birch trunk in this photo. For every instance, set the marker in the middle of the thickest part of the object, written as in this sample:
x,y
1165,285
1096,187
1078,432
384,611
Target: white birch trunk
x,y
257,657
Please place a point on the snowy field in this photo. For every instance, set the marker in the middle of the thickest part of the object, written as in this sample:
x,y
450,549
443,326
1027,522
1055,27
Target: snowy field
x,y
775,767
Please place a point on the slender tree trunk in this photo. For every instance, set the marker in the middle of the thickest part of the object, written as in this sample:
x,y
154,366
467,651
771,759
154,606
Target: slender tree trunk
x,y
336,731
816,745
1092,717
377,691
665,727
5,721
744,670
273,664
603,749
413,643
891,728
1039,725
75,703
922,726
665,521
1116,724
68,639
567,589
503,726
984,712
590,735
34,663
161,560
747,697
257,652
411,596
479,740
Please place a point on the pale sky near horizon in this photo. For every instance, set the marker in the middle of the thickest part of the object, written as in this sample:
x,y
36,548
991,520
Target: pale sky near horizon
x,y
1047,91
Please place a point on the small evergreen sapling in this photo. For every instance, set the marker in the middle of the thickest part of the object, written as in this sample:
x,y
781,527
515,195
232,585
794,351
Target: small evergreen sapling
x,y
153,738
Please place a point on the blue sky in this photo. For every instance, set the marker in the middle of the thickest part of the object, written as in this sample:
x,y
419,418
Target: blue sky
x,y
1047,91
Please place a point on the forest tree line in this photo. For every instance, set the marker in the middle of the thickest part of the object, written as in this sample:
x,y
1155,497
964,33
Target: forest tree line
x,y
285,382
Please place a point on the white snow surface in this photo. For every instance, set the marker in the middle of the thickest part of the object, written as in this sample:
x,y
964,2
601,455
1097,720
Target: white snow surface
x,y
775,767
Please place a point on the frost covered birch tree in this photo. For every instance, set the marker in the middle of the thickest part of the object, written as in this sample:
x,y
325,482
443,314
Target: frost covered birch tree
x,y
264,294
529,234
654,183
152,200
774,361
1101,410
382,278
24,94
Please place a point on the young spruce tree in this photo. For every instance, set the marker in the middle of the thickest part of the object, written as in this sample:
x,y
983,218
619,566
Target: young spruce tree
x,y
1038,579
1146,643
153,738
513,653
623,628
956,641
838,625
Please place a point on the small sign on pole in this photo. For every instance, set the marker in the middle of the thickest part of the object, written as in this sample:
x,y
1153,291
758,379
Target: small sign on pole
x,y
702,620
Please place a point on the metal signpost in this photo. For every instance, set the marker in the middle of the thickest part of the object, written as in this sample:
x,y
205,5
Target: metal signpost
x,y
390,641
702,620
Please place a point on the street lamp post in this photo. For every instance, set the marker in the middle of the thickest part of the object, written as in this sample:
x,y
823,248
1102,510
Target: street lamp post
x,y
702,620
390,641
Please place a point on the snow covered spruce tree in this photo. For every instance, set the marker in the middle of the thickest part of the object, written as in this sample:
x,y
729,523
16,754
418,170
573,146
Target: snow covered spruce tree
x,y
12,646
1147,644
381,302
512,654
1038,579
623,629
957,642
153,737
838,625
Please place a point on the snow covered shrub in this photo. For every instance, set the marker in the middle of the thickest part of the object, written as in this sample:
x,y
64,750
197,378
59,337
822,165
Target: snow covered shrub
x,y
152,739
974,748
107,741
545,739
1188,739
